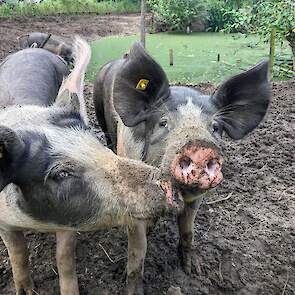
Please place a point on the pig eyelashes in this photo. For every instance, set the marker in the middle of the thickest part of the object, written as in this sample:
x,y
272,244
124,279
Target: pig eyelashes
x,y
58,171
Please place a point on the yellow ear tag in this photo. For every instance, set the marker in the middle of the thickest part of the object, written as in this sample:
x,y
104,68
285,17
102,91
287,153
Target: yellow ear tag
x,y
1,151
142,84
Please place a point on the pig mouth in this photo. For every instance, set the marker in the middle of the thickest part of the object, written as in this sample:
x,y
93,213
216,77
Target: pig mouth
x,y
173,195
198,166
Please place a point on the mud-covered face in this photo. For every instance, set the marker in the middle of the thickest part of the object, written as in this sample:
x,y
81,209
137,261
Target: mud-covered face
x,y
184,129
181,128
185,117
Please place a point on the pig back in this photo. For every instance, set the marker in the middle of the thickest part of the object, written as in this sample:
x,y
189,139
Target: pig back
x,y
31,76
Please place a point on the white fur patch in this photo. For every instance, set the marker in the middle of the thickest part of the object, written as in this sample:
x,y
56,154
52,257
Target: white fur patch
x,y
190,110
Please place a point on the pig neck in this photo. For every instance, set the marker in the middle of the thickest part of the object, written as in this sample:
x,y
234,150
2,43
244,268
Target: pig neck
x,y
127,145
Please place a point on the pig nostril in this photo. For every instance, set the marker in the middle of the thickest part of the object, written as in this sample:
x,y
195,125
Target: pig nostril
x,y
185,163
211,167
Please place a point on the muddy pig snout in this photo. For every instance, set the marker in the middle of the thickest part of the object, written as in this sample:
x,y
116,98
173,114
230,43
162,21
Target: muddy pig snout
x,y
198,165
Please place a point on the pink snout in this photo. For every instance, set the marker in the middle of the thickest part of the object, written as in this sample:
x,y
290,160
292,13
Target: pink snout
x,y
198,165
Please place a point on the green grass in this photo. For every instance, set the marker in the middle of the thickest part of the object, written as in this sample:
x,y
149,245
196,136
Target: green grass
x,y
195,55
67,7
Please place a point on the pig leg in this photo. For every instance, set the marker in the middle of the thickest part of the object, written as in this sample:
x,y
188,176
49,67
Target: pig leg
x,y
137,245
66,262
186,234
19,258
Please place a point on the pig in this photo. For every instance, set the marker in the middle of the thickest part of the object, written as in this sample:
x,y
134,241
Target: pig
x,y
55,175
144,118
51,43
27,68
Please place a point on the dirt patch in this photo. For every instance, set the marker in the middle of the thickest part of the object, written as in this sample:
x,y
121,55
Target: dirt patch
x,y
244,244
88,26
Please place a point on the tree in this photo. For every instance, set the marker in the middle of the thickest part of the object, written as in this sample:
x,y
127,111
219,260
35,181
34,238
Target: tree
x,y
176,15
278,14
264,15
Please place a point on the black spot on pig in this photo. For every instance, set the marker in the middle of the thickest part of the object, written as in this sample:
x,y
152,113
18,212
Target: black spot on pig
x,y
59,187
70,206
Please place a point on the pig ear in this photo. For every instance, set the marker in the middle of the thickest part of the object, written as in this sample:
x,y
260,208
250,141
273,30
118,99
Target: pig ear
x,y
71,90
11,148
68,100
242,101
139,84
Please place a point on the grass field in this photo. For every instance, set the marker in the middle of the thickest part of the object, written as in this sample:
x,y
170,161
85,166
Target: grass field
x,y
195,55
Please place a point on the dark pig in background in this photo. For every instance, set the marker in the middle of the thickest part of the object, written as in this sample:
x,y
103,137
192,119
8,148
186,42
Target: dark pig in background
x,y
54,173
178,127
31,76
49,42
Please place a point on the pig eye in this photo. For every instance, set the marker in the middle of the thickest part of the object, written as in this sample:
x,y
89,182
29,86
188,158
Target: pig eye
x,y
61,175
163,123
215,127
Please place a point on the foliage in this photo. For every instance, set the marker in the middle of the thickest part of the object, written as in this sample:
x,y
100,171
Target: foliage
x,y
279,14
176,15
228,15
267,14
53,7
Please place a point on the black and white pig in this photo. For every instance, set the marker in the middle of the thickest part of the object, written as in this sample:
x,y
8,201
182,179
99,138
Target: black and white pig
x,y
54,173
145,118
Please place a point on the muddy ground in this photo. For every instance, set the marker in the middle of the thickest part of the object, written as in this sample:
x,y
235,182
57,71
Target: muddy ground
x,y
245,242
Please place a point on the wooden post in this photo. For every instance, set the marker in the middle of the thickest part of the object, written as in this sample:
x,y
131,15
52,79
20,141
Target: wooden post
x,y
142,22
171,57
272,45
218,57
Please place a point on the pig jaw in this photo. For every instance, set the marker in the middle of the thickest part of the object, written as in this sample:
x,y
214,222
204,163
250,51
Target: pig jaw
x,y
131,190
145,190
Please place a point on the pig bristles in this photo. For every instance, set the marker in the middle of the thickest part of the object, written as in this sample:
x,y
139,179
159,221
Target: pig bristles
x,y
74,83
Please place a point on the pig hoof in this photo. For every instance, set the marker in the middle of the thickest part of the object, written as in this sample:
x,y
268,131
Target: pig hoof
x,y
22,291
134,287
185,258
25,287
134,291
174,291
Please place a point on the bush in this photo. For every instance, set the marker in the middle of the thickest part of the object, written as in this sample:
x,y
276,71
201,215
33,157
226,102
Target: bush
x,y
267,14
176,15
228,15
278,14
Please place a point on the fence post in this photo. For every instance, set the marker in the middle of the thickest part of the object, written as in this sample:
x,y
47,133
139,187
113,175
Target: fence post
x,y
142,22
171,62
272,45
